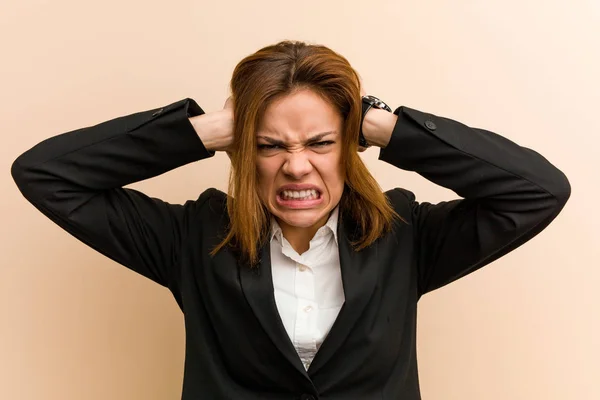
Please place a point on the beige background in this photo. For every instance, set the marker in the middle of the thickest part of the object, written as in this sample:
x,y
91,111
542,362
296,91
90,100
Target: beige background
x,y
75,325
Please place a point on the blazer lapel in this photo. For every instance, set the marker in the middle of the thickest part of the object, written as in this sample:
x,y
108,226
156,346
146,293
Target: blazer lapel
x,y
359,278
257,284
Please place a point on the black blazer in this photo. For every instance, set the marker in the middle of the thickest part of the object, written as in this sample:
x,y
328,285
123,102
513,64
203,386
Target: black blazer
x,y
236,345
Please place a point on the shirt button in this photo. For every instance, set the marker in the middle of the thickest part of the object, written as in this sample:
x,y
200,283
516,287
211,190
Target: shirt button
x,y
302,267
308,309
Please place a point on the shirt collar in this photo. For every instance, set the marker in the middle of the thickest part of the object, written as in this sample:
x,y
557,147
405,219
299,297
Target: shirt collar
x,y
329,227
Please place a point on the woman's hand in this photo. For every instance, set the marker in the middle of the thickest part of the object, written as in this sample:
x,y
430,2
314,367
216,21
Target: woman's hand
x,y
215,129
377,126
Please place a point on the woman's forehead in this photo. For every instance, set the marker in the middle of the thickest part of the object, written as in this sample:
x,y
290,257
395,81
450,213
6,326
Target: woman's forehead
x,y
303,108
299,116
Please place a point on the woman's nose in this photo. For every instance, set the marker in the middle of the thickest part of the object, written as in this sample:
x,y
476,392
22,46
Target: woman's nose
x,y
297,164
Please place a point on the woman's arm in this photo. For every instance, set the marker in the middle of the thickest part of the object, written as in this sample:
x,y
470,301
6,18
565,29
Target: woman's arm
x,y
510,193
76,180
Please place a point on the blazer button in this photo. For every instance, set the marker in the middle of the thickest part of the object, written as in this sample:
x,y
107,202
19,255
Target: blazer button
x,y
430,125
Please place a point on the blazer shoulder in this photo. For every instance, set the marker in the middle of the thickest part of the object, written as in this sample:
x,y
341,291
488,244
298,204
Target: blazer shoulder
x,y
400,198
212,202
402,201
400,195
205,217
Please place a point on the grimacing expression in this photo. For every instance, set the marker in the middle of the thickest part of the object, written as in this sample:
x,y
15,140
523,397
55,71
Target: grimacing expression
x,y
300,176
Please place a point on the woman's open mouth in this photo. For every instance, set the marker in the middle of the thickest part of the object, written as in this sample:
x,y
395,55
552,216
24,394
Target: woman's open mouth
x,y
299,198
300,194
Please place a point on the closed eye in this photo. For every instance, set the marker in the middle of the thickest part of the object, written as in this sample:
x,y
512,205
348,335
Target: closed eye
x,y
268,146
319,144
322,143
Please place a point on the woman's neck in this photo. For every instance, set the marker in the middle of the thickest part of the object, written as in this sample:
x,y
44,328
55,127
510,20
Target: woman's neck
x,y
299,238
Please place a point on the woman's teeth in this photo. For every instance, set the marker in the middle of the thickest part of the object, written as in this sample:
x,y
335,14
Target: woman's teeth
x,y
299,194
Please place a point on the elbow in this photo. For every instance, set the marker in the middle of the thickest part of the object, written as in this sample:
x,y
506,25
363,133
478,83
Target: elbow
x,y
559,193
18,173
562,191
22,176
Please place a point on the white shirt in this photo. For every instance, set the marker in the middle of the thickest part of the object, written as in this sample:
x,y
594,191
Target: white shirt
x,y
308,287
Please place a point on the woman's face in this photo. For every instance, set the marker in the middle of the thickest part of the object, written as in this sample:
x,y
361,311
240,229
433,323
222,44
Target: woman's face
x,y
299,159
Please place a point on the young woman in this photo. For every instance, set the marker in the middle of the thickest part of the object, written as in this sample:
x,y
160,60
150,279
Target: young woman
x,y
303,281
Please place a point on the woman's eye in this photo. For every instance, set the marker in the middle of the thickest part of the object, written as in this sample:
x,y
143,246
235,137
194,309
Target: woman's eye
x,y
267,146
322,143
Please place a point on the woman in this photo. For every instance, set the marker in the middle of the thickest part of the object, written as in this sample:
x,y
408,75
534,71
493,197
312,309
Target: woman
x,y
304,282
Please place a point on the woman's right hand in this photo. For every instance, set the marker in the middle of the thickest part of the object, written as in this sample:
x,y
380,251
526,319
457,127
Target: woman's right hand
x,y
215,129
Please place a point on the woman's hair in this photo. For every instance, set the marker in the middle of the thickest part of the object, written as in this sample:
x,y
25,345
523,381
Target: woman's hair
x,y
259,79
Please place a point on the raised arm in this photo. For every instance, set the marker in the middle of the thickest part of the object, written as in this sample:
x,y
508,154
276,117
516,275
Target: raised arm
x,y
510,193
76,180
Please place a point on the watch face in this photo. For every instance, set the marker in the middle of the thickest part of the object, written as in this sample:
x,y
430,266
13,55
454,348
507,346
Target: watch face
x,y
376,102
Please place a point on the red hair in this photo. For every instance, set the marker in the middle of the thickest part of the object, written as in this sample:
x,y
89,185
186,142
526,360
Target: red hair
x,y
260,78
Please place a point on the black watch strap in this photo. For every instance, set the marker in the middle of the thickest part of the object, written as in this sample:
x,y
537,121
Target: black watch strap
x,y
368,102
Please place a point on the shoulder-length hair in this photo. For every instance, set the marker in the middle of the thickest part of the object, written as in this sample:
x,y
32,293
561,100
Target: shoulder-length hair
x,y
259,79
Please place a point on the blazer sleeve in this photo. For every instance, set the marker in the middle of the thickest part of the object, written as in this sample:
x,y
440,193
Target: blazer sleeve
x,y
509,194
76,180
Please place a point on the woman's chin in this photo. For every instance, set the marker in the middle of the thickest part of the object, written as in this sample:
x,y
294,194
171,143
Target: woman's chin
x,y
299,218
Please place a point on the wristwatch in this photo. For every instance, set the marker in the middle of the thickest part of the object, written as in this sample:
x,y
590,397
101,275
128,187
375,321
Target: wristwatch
x,y
369,101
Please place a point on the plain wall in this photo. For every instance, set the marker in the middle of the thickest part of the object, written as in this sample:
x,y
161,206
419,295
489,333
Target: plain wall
x,y
76,325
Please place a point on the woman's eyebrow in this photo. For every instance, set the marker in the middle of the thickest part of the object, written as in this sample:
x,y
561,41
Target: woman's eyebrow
x,y
271,140
318,137
310,140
